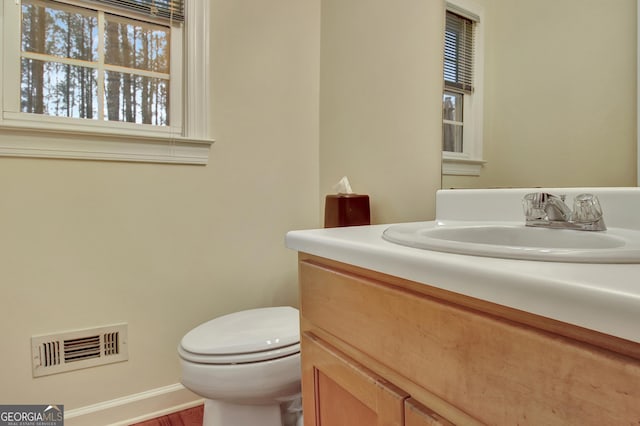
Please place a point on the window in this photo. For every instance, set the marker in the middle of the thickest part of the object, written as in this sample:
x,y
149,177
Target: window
x,y
462,96
110,71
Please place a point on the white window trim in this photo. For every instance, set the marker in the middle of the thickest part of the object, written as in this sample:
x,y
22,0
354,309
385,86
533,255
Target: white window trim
x,y
470,162
29,135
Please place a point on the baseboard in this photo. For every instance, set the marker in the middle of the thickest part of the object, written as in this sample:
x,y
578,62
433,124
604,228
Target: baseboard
x,y
134,408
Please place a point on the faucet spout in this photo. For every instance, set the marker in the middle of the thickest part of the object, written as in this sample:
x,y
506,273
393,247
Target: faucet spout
x,y
556,209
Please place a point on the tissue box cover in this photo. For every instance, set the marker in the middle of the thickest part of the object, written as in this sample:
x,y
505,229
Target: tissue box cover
x,y
346,210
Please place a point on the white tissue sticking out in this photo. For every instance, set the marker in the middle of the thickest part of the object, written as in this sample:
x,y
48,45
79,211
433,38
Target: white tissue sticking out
x,y
343,186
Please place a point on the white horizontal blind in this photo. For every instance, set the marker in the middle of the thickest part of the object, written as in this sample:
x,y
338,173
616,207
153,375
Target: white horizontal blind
x,y
458,52
168,9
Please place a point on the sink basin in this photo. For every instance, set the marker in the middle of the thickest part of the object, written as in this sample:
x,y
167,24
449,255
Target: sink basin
x,y
516,241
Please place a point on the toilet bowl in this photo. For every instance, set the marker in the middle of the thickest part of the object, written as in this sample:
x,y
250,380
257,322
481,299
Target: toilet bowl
x,y
246,365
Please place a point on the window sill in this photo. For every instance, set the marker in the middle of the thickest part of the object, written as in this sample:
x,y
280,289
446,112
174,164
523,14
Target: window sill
x,y
461,166
18,139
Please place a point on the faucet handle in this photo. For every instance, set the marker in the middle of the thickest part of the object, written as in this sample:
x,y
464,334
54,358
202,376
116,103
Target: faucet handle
x,y
586,208
533,205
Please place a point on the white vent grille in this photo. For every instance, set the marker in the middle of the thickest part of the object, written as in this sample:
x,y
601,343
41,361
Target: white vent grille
x,y
73,350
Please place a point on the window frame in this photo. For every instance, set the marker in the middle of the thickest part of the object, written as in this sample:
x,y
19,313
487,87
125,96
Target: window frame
x,y
470,161
186,140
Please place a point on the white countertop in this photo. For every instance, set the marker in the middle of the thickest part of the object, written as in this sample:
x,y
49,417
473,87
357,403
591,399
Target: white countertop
x,y
602,297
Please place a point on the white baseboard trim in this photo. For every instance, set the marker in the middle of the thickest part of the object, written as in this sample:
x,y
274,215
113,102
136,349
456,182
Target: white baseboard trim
x,y
134,408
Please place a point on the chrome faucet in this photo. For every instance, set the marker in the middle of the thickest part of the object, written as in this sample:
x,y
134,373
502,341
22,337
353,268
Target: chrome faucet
x,y
550,211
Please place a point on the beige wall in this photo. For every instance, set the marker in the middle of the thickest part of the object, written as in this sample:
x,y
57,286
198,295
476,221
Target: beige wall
x,y
380,108
560,94
165,247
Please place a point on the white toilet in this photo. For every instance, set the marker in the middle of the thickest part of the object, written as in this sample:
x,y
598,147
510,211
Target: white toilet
x,y
246,365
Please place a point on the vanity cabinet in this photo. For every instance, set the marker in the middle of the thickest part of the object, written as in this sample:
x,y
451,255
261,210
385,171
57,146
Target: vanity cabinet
x,y
381,350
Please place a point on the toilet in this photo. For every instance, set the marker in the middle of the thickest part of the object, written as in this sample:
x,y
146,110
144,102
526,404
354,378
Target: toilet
x,y
246,365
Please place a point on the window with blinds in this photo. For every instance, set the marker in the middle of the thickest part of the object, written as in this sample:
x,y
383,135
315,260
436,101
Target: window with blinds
x,y
106,60
106,80
458,52
458,77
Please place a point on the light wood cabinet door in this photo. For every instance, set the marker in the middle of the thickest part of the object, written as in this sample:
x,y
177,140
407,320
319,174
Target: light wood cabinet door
x,y
341,392
417,414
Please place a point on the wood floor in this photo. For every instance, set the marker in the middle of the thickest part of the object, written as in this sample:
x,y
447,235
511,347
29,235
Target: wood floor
x,y
189,417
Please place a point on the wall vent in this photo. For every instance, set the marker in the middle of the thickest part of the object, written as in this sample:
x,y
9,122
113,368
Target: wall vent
x,y
73,350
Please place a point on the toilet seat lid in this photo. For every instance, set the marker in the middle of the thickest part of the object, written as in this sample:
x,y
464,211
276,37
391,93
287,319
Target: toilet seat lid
x,y
251,331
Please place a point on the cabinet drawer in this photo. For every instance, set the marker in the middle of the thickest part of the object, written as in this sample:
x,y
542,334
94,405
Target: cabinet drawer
x,y
498,371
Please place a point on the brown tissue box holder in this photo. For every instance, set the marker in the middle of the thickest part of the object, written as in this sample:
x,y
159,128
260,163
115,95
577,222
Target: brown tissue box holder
x,y
346,210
